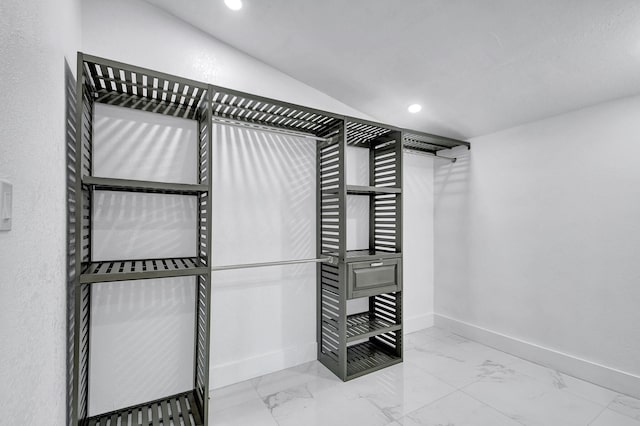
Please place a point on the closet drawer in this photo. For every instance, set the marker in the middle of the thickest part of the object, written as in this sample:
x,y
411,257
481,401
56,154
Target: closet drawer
x,y
373,277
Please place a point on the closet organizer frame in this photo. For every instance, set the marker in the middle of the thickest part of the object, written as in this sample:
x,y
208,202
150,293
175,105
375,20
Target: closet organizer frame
x,y
110,82
351,345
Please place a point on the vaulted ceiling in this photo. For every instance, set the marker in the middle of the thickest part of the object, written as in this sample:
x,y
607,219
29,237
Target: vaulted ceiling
x,y
476,66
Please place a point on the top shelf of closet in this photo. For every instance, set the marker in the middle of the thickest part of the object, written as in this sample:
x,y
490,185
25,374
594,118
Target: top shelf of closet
x,y
115,83
426,142
119,84
109,184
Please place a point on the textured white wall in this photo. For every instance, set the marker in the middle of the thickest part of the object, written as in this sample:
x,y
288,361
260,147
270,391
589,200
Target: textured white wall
x,y
35,38
537,235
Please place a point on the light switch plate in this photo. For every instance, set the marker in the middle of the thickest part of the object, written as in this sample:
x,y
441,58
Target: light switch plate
x,y
6,201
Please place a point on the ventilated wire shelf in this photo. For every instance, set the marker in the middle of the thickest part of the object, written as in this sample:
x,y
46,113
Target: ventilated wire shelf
x,y
243,107
109,184
177,410
424,142
123,85
366,357
365,324
121,270
371,190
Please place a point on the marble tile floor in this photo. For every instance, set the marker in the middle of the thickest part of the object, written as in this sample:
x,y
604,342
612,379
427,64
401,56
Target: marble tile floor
x,y
445,380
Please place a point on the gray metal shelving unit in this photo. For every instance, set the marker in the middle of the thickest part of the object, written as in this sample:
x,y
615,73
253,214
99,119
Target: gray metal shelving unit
x,y
104,81
350,345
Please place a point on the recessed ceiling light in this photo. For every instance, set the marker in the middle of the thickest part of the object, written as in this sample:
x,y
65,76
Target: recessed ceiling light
x,y
233,4
414,108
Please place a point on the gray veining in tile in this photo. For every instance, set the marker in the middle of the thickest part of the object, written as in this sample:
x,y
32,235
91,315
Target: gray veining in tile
x,y
459,364
457,409
251,413
298,406
446,380
531,402
595,393
611,418
312,374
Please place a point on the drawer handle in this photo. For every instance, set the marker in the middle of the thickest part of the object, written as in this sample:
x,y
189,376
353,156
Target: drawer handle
x,y
374,264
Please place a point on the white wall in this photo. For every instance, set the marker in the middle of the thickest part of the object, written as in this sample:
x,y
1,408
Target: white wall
x,y
537,236
263,319
33,47
418,241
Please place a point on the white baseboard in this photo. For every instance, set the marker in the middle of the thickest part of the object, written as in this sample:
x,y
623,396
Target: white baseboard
x,y
608,377
248,368
244,369
416,323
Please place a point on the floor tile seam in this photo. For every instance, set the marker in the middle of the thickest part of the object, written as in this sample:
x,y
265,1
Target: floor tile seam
x,y
490,406
552,388
430,374
427,404
380,409
442,379
597,416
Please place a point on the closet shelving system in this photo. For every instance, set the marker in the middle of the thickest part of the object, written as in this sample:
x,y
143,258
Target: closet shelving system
x,y
354,344
349,345
108,82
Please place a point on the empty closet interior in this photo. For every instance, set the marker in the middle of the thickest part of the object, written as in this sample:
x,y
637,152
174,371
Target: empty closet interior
x,y
143,157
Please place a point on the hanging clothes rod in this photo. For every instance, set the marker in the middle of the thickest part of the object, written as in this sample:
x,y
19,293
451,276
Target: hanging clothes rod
x,y
278,263
427,154
272,129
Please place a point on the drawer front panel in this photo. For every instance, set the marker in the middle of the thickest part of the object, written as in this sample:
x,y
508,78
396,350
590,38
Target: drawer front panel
x,y
371,278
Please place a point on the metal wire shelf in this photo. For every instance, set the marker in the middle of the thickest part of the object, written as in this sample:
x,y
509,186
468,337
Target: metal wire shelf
x,y
176,410
367,357
109,184
123,270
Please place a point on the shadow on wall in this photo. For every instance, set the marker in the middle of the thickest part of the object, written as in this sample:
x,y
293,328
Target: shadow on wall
x,y
264,207
452,178
451,221
264,203
142,331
